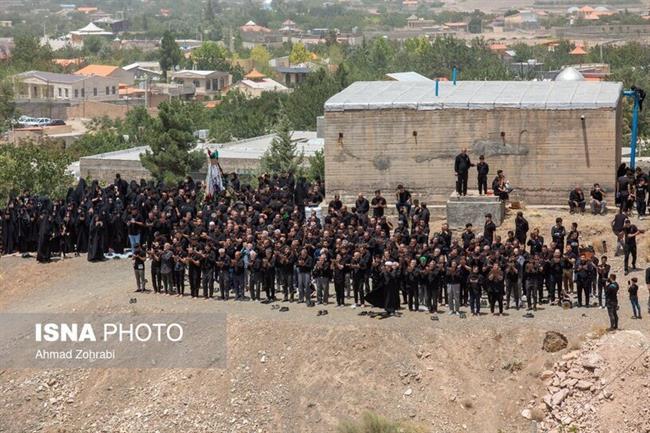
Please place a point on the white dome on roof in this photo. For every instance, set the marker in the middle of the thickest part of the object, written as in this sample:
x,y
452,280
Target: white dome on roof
x,y
573,10
601,9
569,74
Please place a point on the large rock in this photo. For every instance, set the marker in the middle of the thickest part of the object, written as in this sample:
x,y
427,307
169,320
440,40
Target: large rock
x,y
554,341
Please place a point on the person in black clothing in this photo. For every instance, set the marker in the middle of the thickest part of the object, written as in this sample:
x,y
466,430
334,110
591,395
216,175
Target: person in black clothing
x,y
474,286
483,170
583,273
521,228
362,205
598,204
403,197
488,230
194,271
338,268
625,185
378,204
207,271
411,282
462,164
611,301
633,290
558,233
603,275
631,232
577,200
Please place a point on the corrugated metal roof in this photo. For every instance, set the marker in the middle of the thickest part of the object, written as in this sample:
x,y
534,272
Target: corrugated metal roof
x,y
476,95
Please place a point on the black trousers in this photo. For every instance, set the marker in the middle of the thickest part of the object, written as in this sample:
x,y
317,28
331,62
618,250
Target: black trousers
x,y
482,184
431,298
207,282
156,279
413,297
195,281
357,288
630,250
179,281
495,298
461,183
339,288
584,287
613,315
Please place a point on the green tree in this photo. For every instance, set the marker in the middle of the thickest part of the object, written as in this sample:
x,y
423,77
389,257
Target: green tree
x,y
317,165
299,53
170,53
93,45
39,167
7,105
260,57
239,116
306,102
211,56
28,54
283,155
171,157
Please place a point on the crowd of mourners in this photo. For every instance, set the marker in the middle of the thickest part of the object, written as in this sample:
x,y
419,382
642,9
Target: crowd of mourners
x,y
270,243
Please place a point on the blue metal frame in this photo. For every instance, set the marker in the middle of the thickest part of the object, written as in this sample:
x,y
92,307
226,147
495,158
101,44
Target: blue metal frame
x,y
634,133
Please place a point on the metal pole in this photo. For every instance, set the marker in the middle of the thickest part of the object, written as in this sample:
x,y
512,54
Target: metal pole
x,y
437,86
635,130
453,75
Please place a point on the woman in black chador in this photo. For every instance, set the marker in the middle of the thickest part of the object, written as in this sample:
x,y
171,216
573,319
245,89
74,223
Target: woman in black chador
x,y
97,238
46,229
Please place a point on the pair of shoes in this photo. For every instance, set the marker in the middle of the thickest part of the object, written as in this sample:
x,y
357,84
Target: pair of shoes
x,y
322,313
283,309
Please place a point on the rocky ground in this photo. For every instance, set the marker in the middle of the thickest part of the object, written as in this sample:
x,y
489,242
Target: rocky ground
x,y
298,372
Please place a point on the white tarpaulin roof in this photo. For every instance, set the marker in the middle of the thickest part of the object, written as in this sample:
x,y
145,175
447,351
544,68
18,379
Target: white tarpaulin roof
x,y
477,95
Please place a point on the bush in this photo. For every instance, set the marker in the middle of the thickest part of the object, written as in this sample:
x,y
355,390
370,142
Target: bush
x,y
373,423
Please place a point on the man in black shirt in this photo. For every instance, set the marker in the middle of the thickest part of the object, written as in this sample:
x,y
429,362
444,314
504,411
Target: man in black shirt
x,y
577,200
403,197
483,170
521,228
378,204
362,205
598,204
462,165
558,232
489,229
611,301
631,232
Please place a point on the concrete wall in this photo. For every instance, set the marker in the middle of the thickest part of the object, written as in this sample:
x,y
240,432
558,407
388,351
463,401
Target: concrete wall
x,y
92,109
544,154
105,169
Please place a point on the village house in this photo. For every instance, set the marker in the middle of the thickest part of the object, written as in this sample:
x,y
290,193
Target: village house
x,y
37,86
205,83
255,83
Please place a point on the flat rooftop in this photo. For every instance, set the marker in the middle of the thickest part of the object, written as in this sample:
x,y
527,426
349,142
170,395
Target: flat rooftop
x,y
252,148
476,95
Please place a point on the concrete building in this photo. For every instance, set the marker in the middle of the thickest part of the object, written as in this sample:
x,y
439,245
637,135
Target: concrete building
x,y
546,136
37,86
242,157
206,83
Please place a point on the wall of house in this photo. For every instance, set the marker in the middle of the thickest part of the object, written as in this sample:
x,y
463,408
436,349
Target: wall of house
x,y
543,153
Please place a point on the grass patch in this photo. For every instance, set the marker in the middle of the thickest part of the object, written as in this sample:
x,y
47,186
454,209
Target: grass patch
x,y
373,423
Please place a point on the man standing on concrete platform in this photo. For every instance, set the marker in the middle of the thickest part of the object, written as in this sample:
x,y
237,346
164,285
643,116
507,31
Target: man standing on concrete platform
x,y
483,169
462,165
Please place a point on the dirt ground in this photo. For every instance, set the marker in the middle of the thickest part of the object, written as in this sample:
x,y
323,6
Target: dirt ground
x,y
297,372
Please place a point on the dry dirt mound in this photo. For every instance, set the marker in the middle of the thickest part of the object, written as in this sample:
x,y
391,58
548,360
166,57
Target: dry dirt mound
x,y
602,387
